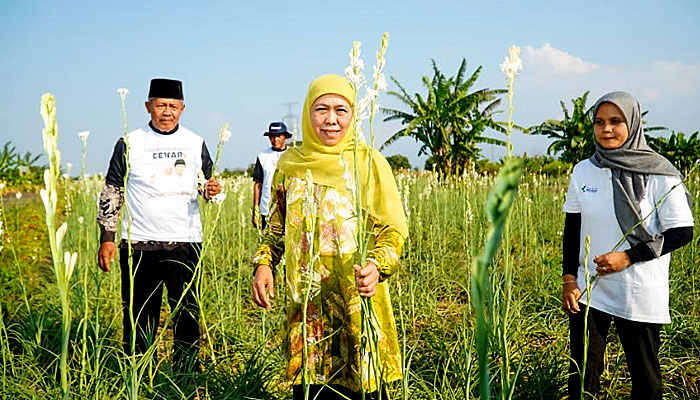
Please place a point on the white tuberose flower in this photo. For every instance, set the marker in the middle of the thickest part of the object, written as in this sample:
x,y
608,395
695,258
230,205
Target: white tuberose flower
x,y
512,63
355,72
84,135
225,135
219,198
123,91
381,82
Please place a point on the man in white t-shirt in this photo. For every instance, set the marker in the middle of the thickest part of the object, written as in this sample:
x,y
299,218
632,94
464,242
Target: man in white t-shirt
x,y
162,172
265,166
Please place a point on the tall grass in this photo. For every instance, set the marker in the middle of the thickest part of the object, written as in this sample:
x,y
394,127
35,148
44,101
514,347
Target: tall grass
x,y
431,292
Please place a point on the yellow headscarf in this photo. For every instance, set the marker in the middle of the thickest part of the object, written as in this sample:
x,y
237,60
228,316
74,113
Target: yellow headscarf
x,y
381,196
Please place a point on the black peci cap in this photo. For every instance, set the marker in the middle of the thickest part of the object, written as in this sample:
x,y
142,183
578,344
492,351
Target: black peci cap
x,y
166,89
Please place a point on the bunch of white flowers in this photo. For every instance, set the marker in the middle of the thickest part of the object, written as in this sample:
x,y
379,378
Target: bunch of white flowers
x,y
356,70
225,134
367,106
63,262
512,63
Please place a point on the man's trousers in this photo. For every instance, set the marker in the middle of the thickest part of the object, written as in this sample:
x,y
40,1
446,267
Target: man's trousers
x,y
152,270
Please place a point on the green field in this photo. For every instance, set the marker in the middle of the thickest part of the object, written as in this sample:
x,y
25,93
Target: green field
x,y
241,347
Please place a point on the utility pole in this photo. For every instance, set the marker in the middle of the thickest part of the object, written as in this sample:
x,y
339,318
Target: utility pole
x,y
290,119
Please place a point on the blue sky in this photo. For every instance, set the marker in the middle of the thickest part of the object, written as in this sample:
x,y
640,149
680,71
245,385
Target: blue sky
x,y
241,60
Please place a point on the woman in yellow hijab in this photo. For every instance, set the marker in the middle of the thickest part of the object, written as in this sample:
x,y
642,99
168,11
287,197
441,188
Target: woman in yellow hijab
x,y
314,226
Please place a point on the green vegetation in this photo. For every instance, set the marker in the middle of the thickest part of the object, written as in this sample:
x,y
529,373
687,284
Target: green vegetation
x,y
240,353
573,135
543,165
450,121
682,151
17,169
398,162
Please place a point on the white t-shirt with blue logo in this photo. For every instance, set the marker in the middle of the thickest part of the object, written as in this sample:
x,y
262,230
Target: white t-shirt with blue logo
x,y
640,291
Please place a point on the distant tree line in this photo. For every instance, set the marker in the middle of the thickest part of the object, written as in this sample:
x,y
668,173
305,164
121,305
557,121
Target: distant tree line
x,y
16,168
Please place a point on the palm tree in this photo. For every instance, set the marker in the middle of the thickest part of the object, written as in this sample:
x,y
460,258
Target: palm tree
x,y
682,151
573,135
450,121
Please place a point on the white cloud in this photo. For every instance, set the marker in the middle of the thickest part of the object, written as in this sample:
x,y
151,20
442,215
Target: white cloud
x,y
657,82
670,90
676,77
548,59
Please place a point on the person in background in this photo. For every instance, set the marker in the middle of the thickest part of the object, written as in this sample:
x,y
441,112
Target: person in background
x,y
163,224
265,166
623,182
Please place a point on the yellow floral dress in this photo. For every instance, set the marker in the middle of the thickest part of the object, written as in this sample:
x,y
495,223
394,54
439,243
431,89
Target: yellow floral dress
x,y
315,230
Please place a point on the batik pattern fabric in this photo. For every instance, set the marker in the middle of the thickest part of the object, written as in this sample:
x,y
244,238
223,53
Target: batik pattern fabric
x,y
315,230
110,203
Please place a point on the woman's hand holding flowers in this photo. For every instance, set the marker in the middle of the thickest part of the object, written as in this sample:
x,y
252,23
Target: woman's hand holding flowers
x,y
366,279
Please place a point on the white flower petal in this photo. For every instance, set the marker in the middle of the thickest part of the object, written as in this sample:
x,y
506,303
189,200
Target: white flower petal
x,y
60,234
44,198
47,178
69,261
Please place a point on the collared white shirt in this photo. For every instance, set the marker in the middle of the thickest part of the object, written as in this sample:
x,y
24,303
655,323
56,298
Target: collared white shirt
x,y
640,292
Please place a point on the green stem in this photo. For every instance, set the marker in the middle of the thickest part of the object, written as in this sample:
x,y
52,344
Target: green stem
x,y
582,369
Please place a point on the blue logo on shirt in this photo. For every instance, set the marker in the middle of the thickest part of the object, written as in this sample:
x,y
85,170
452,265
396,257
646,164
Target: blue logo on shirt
x,y
588,189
